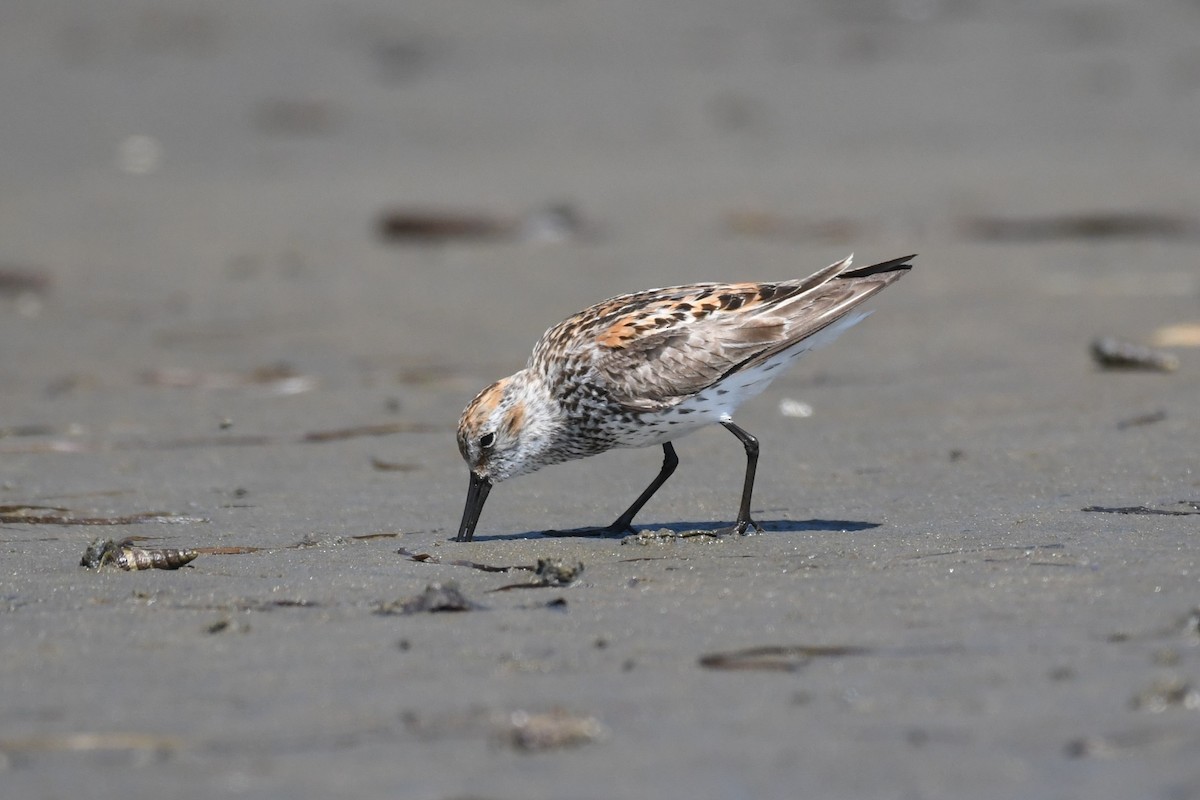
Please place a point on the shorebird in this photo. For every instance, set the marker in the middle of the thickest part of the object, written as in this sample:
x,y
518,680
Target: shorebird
x,y
647,368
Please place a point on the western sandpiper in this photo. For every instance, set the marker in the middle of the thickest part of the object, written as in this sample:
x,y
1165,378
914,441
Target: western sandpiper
x,y
646,368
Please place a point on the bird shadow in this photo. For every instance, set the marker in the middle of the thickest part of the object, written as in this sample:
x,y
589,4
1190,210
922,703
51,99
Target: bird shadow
x,y
768,526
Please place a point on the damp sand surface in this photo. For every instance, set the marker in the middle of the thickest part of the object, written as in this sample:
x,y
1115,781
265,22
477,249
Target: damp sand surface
x,y
254,260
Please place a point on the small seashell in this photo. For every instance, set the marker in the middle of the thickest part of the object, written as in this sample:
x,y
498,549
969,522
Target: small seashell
x,y
128,557
1113,353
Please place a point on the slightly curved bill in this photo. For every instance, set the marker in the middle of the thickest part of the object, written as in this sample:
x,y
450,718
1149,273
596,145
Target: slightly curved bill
x,y
477,494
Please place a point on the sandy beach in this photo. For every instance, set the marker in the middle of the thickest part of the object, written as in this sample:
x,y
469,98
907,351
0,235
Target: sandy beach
x,y
256,257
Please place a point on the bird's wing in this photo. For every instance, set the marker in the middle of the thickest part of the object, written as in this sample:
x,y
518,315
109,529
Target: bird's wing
x,y
652,349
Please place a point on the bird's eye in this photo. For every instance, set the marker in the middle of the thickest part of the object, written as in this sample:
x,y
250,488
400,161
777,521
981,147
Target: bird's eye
x,y
487,440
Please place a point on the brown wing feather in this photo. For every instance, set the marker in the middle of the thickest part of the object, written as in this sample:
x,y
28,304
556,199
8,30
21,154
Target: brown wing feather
x,y
652,349
832,302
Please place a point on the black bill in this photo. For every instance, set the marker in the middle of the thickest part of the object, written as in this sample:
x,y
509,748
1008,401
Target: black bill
x,y
477,494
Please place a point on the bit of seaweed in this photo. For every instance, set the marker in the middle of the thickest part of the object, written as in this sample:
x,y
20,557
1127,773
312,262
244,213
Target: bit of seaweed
x,y
393,466
789,658
26,430
778,658
16,281
437,597
555,222
429,558
1084,225
549,572
1141,419
50,515
1112,353
1140,510
225,624
557,728
1131,741
432,225
276,379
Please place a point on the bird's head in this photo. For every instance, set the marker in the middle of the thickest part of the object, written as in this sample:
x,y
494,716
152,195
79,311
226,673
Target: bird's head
x,y
502,433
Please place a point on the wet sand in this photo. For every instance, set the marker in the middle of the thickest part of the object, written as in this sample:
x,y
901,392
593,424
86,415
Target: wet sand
x,y
215,328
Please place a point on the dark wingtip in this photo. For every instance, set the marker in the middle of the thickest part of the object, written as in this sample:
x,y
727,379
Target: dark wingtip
x,y
895,265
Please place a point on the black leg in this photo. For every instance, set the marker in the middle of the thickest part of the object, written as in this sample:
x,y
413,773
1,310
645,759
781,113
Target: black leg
x,y
751,445
670,462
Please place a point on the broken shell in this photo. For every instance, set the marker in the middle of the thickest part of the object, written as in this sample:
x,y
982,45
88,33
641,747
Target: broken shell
x,y
1112,353
128,557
